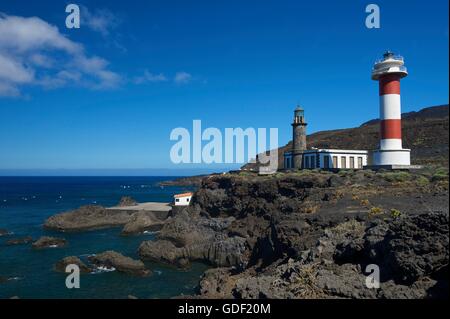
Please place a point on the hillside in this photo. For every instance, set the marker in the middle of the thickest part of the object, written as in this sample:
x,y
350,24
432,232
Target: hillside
x,y
426,132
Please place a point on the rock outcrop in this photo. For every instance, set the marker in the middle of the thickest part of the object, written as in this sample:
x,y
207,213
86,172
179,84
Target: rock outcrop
x,y
189,181
94,217
19,241
142,221
49,242
312,235
4,232
72,260
112,259
322,272
193,238
89,217
127,201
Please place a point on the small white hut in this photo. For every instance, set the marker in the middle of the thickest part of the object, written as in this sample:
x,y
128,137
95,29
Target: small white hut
x,y
182,199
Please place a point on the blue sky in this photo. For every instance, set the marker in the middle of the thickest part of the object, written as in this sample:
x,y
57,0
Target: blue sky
x,y
107,95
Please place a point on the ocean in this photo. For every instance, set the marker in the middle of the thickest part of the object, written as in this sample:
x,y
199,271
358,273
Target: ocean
x,y
25,203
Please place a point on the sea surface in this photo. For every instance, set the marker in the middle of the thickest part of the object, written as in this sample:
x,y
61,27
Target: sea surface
x,y
25,203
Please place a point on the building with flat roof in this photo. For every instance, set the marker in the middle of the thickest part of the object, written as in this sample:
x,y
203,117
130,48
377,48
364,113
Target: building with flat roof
x,y
329,159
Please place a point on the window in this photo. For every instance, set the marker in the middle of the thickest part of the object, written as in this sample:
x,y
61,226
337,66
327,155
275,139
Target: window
x,y
326,161
360,162
335,162
352,162
343,162
187,199
177,200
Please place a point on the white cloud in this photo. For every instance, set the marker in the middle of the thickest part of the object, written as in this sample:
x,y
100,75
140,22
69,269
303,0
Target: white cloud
x,y
7,89
182,77
149,77
14,71
102,20
28,34
33,52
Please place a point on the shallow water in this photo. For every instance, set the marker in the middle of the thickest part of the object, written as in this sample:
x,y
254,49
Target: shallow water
x,y
25,202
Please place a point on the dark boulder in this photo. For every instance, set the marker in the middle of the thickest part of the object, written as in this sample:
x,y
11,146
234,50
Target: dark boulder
x,y
142,221
72,260
112,259
4,232
49,242
411,247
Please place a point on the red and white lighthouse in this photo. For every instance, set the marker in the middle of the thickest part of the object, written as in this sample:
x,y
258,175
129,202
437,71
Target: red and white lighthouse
x,y
388,72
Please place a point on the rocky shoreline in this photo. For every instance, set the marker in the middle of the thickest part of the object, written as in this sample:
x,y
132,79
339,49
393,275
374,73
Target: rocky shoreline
x,y
312,234
304,234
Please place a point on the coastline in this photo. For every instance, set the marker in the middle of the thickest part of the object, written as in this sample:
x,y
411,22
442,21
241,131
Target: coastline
x,y
291,222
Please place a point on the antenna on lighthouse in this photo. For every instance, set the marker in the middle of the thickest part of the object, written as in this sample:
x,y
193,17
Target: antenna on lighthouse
x,y
388,54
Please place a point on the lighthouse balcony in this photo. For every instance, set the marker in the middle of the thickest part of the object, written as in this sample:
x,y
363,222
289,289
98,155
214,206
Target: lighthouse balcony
x,y
390,57
388,68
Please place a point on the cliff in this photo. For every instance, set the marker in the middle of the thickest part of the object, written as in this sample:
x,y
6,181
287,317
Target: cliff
x,y
311,234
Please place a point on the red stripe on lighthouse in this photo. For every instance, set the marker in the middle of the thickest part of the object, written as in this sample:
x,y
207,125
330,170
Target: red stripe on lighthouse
x,y
390,84
391,129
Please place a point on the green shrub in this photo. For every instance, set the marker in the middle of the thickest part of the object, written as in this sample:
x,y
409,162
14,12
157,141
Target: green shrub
x,y
439,176
441,171
395,213
422,181
374,211
396,176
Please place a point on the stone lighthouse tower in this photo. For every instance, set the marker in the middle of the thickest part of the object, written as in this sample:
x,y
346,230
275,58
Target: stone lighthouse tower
x,y
388,71
299,137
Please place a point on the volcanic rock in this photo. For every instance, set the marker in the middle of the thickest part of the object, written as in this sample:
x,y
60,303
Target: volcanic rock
x,y
142,221
49,242
72,260
88,217
4,232
112,259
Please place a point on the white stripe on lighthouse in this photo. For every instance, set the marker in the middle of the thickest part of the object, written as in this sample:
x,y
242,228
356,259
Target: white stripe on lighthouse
x,y
390,107
391,144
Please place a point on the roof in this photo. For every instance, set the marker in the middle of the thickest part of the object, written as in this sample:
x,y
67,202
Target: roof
x,y
183,195
336,151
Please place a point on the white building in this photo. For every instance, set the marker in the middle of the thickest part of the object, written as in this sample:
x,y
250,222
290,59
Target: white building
x,y
329,159
182,199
